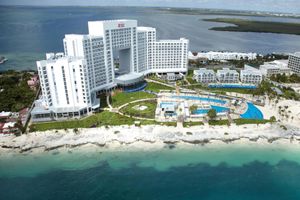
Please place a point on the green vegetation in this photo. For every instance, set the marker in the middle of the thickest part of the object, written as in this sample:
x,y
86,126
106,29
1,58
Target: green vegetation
x,y
193,108
221,91
15,94
99,119
282,78
283,127
132,110
212,114
201,11
242,25
191,80
273,119
251,121
219,122
155,78
167,123
181,82
289,93
120,98
156,87
104,118
189,124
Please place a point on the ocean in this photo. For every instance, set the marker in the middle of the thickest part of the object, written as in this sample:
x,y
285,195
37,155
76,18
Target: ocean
x,y
231,173
27,33
214,173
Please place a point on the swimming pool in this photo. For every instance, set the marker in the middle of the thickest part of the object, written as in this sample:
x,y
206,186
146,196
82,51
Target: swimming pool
x,y
233,86
218,109
252,112
201,99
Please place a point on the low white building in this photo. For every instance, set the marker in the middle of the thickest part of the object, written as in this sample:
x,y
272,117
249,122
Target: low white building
x,y
227,75
204,75
275,67
251,75
223,56
294,62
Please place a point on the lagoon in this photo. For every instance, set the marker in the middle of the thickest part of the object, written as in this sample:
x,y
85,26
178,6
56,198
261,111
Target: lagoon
x,y
27,33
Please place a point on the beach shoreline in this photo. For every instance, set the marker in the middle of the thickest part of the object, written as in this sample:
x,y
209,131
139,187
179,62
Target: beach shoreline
x,y
152,137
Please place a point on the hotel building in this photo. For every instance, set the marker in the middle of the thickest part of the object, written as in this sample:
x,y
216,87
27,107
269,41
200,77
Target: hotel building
x,y
204,75
275,67
227,75
251,75
218,56
70,81
294,62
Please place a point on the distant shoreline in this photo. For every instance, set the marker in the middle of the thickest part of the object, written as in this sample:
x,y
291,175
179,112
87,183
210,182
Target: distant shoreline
x,y
241,25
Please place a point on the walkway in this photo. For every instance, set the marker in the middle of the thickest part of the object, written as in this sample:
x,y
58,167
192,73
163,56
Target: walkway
x,y
161,83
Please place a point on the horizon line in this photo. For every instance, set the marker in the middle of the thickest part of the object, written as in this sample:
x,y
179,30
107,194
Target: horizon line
x,y
139,6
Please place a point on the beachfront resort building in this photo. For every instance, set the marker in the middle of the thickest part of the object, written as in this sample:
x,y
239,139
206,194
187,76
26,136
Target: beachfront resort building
x,y
251,75
294,62
204,75
219,56
227,75
70,81
275,67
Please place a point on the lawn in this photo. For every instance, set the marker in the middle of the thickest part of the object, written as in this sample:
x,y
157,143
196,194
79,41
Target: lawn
x,y
191,80
222,90
149,112
250,121
155,78
156,87
219,122
189,124
104,118
120,98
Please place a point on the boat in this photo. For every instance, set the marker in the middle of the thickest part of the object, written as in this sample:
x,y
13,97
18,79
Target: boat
x,y
2,59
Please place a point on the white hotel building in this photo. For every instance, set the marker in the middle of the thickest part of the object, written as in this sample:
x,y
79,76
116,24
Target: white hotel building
x,y
204,75
218,56
227,75
275,67
294,62
251,75
71,81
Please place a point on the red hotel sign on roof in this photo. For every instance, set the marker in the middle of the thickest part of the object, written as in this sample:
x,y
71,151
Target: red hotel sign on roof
x,y
121,25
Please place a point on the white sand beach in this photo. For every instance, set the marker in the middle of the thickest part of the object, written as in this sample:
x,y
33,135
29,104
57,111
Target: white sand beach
x,y
150,137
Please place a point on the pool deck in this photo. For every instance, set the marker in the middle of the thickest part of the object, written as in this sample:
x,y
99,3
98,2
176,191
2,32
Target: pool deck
x,y
225,107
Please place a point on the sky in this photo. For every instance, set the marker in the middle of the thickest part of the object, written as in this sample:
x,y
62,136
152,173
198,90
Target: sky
x,y
287,6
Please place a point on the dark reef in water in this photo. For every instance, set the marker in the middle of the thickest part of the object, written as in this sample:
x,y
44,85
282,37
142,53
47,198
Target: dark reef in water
x,y
255,180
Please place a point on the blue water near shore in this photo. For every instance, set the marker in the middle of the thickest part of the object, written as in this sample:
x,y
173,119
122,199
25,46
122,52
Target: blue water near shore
x,y
27,33
200,173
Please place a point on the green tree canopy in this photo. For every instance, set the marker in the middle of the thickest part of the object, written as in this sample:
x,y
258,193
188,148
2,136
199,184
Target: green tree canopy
x,y
212,114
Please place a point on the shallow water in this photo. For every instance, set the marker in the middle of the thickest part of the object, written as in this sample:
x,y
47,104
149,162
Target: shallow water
x,y
231,172
27,33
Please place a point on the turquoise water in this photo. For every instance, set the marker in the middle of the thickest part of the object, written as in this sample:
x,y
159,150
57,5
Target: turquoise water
x,y
201,99
252,112
218,109
233,86
232,172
